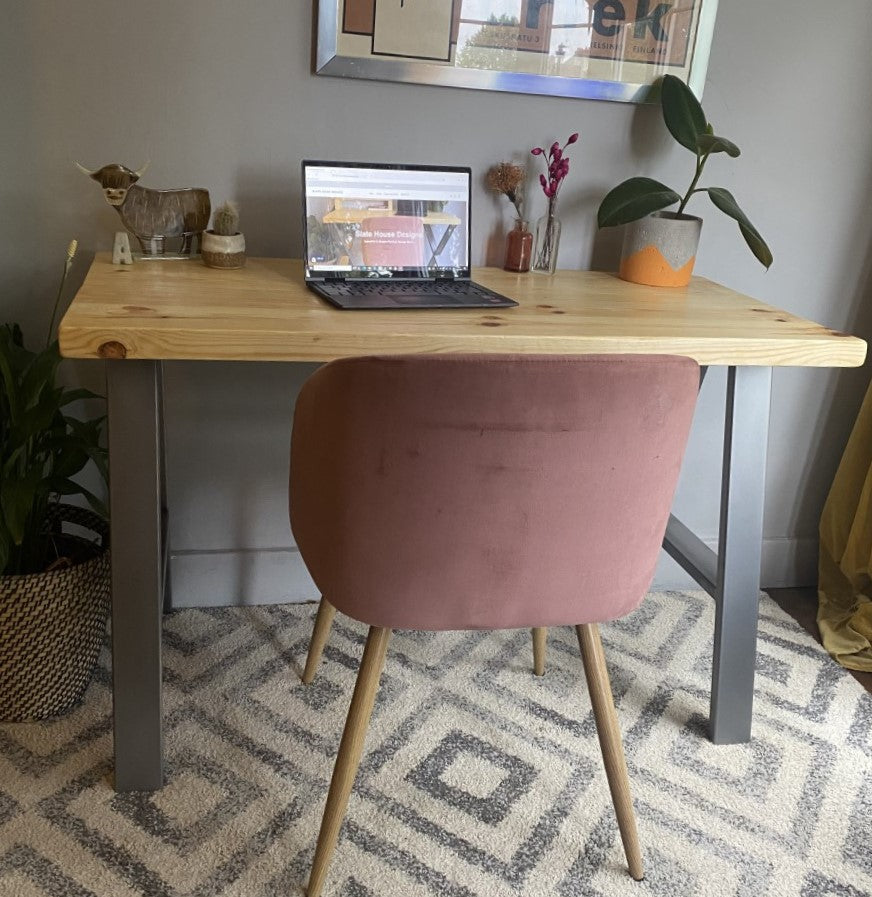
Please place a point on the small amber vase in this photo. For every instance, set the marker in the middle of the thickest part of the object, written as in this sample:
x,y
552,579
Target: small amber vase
x,y
519,247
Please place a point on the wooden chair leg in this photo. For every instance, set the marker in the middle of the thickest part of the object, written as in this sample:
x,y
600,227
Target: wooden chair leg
x,y
320,634
348,758
610,742
540,635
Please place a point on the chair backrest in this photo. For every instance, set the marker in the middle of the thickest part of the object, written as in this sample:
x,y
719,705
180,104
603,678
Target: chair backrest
x,y
488,491
392,240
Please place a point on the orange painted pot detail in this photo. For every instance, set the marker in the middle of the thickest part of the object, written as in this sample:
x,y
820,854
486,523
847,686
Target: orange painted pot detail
x,y
660,249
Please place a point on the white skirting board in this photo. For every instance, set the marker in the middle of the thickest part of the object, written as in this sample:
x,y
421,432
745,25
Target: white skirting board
x,y
278,576
226,578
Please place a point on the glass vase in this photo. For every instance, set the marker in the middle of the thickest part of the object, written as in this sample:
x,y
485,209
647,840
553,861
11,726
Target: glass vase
x,y
519,247
547,240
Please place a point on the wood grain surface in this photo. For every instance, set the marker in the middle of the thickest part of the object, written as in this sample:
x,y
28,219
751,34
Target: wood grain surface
x,y
184,310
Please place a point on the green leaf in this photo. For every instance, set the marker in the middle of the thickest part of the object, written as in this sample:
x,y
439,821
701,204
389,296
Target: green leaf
x,y
726,202
633,199
100,457
36,420
10,386
709,143
40,375
12,347
96,504
86,429
70,487
76,395
65,486
88,433
5,548
71,462
17,499
756,244
682,112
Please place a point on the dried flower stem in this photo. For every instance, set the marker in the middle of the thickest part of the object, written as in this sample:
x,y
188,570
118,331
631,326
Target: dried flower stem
x,y
68,263
546,255
508,179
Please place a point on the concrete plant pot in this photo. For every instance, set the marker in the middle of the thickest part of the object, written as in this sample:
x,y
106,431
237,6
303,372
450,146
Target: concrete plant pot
x,y
660,249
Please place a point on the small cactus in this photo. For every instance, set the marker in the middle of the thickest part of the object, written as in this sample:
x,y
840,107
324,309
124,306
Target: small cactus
x,y
225,221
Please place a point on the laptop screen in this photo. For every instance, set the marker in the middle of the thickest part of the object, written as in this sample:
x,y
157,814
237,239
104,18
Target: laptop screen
x,y
365,220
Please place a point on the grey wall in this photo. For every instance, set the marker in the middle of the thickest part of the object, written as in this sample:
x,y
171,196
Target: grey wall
x,y
221,95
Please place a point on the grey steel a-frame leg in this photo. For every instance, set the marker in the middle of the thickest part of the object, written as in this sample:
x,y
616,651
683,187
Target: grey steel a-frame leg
x,y
138,569
732,575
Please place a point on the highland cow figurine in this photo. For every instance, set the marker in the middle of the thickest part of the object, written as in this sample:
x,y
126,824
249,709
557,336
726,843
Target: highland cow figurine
x,y
153,215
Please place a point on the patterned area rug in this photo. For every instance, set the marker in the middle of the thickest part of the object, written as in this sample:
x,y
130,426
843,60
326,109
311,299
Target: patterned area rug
x,y
478,779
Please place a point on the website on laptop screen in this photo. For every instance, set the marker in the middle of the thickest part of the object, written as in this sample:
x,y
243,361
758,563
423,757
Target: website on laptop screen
x,y
385,221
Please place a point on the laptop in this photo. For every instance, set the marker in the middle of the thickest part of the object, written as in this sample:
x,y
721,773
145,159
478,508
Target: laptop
x,y
390,236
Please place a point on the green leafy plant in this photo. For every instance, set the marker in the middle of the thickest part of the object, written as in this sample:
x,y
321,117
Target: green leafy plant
x,y
41,447
637,197
225,221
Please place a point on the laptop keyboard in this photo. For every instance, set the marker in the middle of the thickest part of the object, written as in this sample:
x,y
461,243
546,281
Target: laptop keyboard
x,y
411,294
450,288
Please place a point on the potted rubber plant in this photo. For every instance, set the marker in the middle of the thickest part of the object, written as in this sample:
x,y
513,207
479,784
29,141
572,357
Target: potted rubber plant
x,y
224,246
659,245
54,558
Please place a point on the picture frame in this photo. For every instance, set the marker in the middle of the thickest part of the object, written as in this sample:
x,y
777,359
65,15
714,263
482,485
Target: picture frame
x,y
617,52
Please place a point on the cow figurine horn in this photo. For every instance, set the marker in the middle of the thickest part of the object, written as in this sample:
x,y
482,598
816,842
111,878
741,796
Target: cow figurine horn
x,y
141,171
87,171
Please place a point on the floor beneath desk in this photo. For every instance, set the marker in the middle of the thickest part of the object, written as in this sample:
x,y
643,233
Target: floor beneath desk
x,y
801,604
465,742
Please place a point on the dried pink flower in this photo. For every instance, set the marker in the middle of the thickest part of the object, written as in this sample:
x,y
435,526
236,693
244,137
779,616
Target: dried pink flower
x,y
558,165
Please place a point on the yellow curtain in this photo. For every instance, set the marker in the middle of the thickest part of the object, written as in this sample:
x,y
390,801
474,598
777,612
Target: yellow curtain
x,y
844,579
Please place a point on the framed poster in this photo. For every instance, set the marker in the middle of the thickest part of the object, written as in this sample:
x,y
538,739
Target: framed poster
x,y
601,49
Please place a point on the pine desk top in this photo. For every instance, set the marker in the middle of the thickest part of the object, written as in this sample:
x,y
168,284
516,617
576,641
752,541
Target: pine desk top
x,y
183,310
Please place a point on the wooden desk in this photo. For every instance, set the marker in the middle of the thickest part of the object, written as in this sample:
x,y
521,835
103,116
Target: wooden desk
x,y
138,316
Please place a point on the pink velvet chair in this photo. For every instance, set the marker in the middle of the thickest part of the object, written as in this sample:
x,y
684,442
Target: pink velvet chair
x,y
450,492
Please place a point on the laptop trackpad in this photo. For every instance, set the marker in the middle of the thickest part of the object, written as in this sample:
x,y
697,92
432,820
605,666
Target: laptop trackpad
x,y
421,298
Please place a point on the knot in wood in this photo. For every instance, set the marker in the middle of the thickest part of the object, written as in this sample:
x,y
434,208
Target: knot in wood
x,y
112,349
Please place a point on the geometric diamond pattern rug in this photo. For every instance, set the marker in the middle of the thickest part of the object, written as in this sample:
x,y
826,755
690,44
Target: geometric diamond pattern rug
x,y
478,779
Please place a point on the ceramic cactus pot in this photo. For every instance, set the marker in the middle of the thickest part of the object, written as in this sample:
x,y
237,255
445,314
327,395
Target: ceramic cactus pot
x,y
660,249
220,251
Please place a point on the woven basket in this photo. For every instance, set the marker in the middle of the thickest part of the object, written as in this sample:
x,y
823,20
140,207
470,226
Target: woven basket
x,y
52,626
